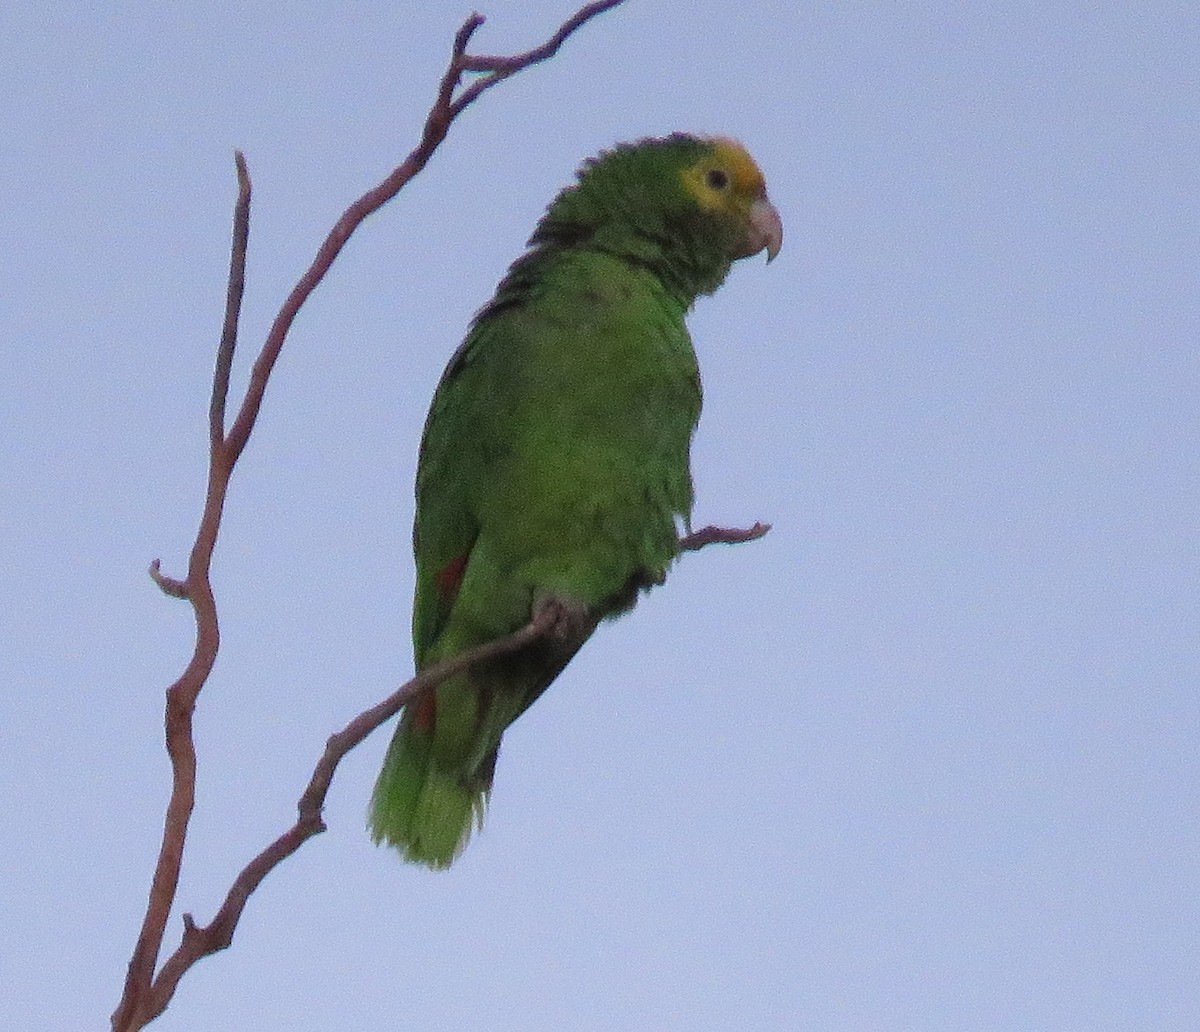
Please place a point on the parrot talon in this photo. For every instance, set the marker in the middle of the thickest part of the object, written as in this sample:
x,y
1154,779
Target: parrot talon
x,y
566,619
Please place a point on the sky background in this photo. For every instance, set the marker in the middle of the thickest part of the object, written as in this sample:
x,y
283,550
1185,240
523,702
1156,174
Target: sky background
x,y
925,758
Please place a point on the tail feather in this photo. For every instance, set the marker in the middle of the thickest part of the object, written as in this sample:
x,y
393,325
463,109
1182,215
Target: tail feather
x,y
419,807
446,814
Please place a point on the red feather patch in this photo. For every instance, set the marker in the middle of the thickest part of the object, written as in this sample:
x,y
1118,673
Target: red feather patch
x,y
449,578
426,712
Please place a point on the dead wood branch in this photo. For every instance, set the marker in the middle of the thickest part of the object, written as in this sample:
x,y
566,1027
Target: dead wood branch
x,y
145,994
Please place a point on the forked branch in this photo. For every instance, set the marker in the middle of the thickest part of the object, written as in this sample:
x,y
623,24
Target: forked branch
x,y
146,995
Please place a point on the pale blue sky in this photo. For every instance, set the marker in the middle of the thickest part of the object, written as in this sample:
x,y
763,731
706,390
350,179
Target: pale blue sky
x,y
923,759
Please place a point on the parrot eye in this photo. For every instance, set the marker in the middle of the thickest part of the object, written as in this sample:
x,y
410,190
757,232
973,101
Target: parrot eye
x,y
717,178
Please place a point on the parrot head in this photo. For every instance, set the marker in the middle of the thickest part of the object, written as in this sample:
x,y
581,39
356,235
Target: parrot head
x,y
685,206
727,184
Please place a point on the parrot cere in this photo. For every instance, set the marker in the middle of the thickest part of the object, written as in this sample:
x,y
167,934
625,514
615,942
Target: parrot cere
x,y
554,466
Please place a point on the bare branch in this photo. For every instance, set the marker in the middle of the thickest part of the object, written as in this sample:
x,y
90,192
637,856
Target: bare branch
x,y
233,305
144,997
500,68
444,111
201,941
711,535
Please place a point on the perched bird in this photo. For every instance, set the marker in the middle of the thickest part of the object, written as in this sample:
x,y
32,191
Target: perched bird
x,y
554,464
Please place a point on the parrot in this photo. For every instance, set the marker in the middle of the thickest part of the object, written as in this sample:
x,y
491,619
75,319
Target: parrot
x,y
554,468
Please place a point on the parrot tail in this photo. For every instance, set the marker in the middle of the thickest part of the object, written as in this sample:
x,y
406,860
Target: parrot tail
x,y
433,789
422,809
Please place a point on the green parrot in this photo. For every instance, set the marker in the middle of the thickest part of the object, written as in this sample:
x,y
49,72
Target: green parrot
x,y
554,467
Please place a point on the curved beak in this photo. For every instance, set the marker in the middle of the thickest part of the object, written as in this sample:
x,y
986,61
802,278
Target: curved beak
x,y
764,229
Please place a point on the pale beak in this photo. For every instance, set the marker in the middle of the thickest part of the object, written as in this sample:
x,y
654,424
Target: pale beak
x,y
764,230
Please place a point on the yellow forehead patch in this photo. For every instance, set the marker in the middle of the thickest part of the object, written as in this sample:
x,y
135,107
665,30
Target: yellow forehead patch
x,y
745,181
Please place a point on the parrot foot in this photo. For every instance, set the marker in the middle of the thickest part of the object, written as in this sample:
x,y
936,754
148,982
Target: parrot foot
x,y
567,619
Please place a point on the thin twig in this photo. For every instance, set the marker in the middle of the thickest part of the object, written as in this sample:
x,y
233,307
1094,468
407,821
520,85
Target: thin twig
x,y
233,305
711,535
500,68
170,585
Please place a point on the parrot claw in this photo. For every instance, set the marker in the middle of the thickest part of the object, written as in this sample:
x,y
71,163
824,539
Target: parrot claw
x,y
566,619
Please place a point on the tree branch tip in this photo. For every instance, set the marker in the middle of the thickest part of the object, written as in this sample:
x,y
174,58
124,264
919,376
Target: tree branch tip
x,y
189,925
167,585
713,535
243,171
466,31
